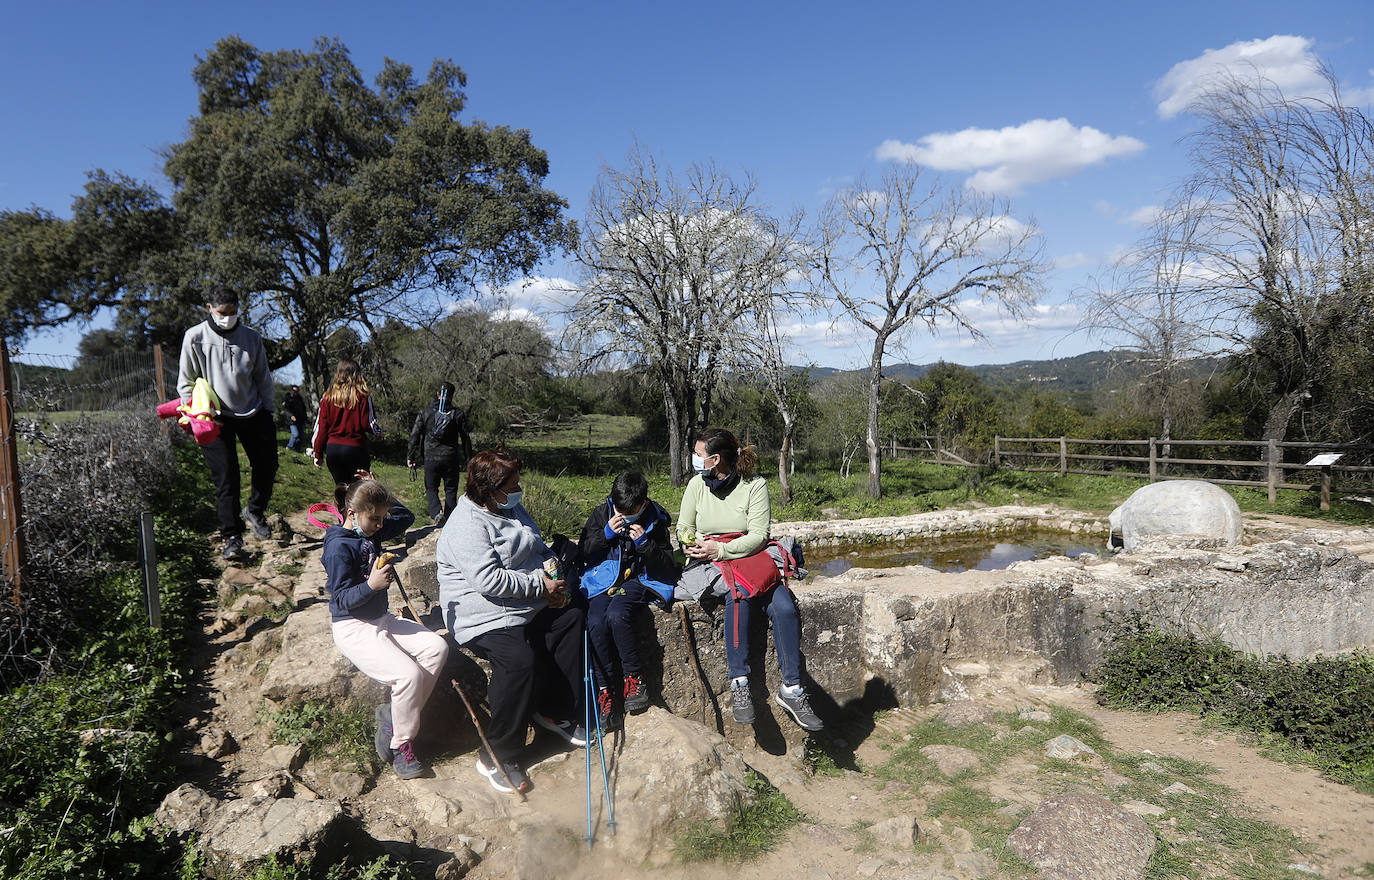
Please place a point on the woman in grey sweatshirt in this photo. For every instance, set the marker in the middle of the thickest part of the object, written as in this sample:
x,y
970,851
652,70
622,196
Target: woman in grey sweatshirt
x,y
503,606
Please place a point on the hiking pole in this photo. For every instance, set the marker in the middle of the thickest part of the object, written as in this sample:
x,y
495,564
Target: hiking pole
x,y
386,559
587,698
491,753
600,750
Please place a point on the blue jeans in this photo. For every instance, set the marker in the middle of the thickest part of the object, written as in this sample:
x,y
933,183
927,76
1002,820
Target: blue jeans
x,y
610,625
294,443
782,610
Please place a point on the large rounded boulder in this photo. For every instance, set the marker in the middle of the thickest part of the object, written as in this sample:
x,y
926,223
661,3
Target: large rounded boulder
x,y
1194,512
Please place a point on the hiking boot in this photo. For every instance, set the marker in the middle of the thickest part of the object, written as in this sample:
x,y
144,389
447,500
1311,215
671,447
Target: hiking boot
x,y
741,703
575,734
605,711
799,707
498,782
382,741
636,700
258,523
233,549
404,762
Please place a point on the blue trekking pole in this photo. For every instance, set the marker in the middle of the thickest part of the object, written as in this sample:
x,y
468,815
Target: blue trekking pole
x,y
605,782
587,725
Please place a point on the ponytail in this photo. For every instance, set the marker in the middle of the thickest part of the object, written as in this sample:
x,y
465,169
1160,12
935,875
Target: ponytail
x,y
719,441
368,495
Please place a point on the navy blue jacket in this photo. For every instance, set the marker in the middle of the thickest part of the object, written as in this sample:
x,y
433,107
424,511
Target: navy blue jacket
x,y
348,559
607,555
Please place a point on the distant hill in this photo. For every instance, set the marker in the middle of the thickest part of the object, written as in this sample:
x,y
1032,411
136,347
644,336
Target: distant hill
x,y
1093,370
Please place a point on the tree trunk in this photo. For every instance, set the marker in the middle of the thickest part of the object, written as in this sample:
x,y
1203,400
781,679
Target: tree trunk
x,y
315,370
675,455
1282,412
875,452
789,425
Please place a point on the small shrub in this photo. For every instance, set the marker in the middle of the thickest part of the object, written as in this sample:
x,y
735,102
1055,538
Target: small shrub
x,y
1324,706
754,830
343,732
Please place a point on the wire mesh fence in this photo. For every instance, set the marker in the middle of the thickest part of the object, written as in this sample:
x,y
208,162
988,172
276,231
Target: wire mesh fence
x,y
58,383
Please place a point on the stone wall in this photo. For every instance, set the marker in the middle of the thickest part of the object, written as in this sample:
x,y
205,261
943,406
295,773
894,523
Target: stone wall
x,y
912,635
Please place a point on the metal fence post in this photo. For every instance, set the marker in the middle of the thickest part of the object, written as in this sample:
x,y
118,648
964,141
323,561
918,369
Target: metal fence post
x,y
11,504
996,451
147,557
1273,470
161,381
1154,461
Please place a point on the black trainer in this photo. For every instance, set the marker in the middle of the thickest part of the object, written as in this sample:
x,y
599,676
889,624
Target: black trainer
x,y
233,549
636,700
258,524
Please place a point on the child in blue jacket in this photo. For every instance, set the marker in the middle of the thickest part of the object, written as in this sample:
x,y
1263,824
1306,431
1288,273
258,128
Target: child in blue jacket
x,y
402,654
627,563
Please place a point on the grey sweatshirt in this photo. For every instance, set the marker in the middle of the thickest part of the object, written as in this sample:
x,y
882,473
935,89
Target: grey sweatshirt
x,y
235,365
490,569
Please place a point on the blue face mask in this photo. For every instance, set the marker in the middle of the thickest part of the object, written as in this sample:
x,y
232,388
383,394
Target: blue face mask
x,y
512,501
632,519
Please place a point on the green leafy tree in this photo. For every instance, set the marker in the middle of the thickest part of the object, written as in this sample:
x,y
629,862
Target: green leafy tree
x,y
332,202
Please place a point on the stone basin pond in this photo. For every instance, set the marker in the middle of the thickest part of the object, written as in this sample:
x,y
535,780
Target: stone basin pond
x,y
951,554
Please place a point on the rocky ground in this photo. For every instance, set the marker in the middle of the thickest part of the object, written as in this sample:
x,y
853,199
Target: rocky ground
x,y
1022,778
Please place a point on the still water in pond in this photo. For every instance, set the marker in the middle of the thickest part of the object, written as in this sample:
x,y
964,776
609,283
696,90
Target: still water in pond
x,y
981,553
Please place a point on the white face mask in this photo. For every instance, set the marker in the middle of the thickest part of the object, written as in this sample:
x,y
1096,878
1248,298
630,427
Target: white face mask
x,y
700,464
224,322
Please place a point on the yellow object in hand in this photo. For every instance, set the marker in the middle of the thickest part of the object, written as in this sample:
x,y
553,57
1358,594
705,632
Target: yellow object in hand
x,y
385,559
687,537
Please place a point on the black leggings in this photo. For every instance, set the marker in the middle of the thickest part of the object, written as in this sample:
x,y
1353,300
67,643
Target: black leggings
x,y
344,462
535,666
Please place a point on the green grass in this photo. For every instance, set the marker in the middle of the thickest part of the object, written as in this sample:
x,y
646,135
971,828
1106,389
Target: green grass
x,y
566,476
754,830
341,731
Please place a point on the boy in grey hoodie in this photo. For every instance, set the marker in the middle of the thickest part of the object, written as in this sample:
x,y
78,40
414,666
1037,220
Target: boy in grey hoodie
x,y
233,359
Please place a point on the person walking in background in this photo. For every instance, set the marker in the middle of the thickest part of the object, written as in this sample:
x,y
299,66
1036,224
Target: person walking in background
x,y
294,406
233,359
344,424
439,439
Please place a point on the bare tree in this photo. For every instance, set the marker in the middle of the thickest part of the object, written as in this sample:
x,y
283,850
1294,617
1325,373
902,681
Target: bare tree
x,y
785,385
915,249
675,275
1284,237
1149,304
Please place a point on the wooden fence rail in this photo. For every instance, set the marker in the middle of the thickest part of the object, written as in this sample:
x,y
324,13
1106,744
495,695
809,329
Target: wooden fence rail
x,y
1155,460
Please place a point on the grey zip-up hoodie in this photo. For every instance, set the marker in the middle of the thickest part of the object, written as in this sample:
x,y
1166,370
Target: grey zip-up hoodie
x,y
234,363
490,569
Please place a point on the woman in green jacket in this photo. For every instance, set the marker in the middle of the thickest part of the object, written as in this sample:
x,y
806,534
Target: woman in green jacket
x,y
727,498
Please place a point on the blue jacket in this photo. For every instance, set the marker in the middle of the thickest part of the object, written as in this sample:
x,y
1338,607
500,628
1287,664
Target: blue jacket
x,y
348,559
606,555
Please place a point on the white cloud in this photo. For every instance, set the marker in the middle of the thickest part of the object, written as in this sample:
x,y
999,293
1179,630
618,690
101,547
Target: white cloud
x,y
1007,159
538,299
1285,61
1073,261
1144,215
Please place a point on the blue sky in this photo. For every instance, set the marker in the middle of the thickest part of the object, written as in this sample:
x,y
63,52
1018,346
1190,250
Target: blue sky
x,y
1069,108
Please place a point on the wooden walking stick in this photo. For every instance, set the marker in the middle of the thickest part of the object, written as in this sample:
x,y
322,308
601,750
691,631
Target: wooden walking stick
x,y
387,559
483,736
706,696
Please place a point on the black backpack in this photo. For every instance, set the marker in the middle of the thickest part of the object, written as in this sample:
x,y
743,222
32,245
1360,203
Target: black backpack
x,y
444,417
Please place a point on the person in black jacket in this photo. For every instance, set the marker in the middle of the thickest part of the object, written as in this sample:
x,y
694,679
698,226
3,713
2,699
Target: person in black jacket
x,y
627,563
440,440
294,405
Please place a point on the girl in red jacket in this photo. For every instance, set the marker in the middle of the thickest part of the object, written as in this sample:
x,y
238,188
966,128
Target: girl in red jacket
x,y
344,424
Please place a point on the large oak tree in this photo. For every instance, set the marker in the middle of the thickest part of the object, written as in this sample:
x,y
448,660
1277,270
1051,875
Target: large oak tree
x,y
331,202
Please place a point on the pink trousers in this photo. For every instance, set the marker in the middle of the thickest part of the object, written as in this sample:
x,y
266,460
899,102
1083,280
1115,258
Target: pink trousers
x,y
401,654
